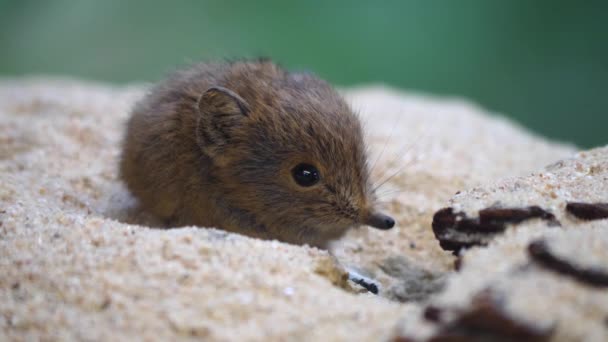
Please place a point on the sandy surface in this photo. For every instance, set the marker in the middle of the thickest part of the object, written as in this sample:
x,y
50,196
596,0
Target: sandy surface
x,y
78,262
557,305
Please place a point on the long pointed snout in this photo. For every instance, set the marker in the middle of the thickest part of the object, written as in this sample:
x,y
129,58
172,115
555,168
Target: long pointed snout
x,y
379,221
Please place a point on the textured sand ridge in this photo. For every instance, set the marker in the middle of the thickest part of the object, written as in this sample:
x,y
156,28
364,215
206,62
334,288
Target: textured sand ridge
x,y
547,277
78,261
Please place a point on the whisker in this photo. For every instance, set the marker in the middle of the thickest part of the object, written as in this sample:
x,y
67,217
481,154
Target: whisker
x,y
390,192
382,203
401,169
404,152
396,189
385,144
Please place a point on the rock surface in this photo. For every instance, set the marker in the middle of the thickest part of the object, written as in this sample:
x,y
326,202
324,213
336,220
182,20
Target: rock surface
x,y
538,279
78,261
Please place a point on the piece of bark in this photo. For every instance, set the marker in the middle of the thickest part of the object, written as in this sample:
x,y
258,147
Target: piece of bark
x,y
455,230
541,253
588,211
484,320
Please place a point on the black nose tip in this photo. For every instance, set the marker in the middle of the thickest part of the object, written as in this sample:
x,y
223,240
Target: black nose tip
x,y
389,222
380,221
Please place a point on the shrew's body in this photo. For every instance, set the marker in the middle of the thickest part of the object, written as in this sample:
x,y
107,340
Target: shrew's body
x,y
250,148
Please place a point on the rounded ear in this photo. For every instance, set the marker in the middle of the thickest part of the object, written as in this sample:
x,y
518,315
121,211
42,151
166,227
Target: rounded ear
x,y
220,111
222,100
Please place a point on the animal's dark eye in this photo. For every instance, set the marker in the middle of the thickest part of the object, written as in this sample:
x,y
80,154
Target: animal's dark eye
x,y
305,174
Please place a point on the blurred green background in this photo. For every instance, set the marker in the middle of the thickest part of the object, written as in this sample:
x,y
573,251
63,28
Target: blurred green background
x,y
544,63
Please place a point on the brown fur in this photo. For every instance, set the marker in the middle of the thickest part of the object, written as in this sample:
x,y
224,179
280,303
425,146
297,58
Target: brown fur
x,y
214,146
